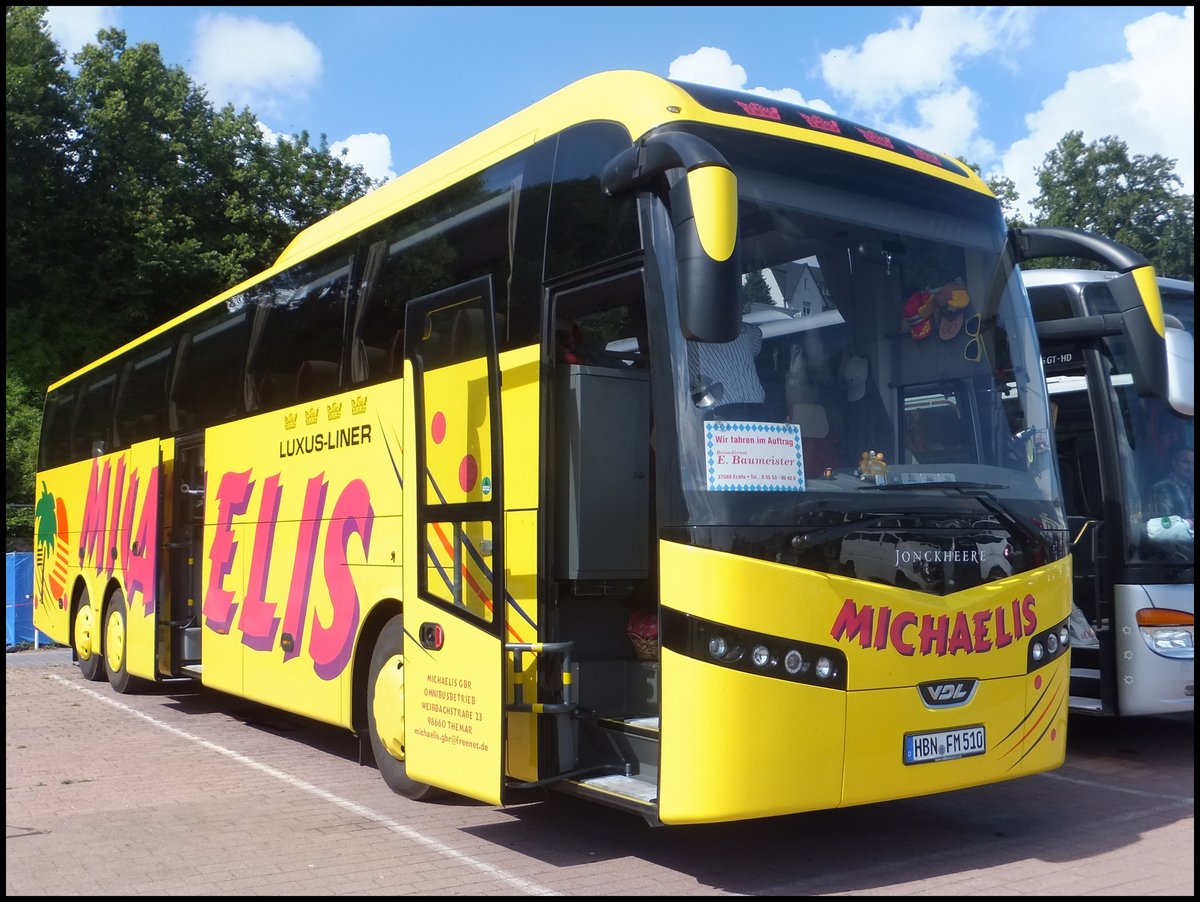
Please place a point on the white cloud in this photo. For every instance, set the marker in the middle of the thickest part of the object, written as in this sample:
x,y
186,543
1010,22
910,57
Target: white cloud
x,y
1147,100
371,151
908,79
73,26
713,66
249,62
922,57
947,122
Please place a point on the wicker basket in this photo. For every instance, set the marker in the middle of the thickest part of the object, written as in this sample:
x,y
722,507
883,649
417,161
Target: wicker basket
x,y
642,630
645,649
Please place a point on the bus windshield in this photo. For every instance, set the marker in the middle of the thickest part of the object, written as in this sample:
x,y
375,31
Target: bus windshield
x,y
887,361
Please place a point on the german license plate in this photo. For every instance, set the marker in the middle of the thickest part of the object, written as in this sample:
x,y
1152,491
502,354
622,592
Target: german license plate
x,y
942,745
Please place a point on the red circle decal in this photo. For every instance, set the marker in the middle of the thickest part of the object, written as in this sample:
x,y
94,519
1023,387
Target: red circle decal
x,y
468,472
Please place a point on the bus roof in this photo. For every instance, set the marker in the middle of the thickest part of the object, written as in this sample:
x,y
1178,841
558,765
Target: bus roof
x,y
639,101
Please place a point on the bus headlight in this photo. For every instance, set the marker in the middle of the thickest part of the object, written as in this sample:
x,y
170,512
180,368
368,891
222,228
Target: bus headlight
x,y
1064,637
1170,641
1051,643
793,662
763,655
1037,651
1168,632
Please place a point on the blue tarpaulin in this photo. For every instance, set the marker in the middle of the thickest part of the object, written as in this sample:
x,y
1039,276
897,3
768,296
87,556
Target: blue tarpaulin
x,y
18,601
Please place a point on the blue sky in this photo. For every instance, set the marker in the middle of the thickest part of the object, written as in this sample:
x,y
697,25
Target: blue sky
x,y
998,86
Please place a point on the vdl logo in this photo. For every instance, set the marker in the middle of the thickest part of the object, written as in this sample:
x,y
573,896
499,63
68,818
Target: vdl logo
x,y
947,693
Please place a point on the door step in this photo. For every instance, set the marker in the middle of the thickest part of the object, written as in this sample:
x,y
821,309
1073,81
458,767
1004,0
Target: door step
x,y
645,727
617,791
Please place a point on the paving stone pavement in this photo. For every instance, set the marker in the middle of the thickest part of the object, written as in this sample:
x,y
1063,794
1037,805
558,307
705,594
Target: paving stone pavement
x,y
177,792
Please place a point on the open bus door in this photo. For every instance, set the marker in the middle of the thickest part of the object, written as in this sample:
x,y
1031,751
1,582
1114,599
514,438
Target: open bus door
x,y
454,607
130,622
179,607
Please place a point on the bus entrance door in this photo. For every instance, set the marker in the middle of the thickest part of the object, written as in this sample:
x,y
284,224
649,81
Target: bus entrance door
x,y
454,577
137,539
179,610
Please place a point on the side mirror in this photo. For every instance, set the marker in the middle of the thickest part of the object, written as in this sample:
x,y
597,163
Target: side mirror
x,y
1135,290
704,217
1181,388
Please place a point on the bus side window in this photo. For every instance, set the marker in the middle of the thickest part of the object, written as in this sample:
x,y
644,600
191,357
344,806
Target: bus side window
x,y
141,410
56,428
208,381
315,379
297,339
93,425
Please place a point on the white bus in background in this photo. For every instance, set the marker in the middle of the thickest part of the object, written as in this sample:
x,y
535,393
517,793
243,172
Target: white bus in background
x,y
1134,566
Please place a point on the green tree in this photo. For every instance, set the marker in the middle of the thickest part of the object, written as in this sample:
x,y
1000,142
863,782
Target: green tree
x,y
755,290
41,194
21,425
130,199
1134,199
1006,192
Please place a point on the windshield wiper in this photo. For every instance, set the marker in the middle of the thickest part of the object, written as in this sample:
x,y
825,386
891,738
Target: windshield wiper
x,y
961,486
811,538
981,492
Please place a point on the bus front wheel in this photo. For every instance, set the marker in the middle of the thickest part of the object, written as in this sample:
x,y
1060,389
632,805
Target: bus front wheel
x,y
86,639
385,712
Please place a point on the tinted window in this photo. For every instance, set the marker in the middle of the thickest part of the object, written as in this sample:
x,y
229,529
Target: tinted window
x,y
142,397
298,333
56,427
586,226
208,383
92,434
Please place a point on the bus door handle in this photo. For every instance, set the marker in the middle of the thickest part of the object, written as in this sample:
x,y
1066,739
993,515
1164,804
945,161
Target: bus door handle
x,y
186,489
431,636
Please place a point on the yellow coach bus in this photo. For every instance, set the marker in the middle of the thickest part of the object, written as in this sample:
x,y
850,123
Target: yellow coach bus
x,y
668,446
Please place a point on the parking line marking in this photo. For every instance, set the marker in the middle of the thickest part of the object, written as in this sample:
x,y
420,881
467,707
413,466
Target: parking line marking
x,y
409,833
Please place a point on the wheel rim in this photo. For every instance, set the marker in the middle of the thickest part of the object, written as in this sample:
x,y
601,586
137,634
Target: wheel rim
x,y
83,631
114,641
387,707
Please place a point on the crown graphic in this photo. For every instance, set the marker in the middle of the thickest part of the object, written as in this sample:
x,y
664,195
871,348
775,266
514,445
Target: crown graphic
x,y
359,404
925,155
289,421
334,410
825,125
310,416
876,138
760,110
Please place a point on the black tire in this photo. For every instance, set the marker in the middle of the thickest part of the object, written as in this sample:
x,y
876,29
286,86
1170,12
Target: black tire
x,y
85,639
387,676
116,657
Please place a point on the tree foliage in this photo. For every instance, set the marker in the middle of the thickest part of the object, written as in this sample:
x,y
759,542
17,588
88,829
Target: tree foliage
x,y
129,199
1134,199
755,290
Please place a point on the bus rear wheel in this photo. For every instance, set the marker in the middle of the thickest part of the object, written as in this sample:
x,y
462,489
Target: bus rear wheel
x,y
385,712
86,640
116,653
